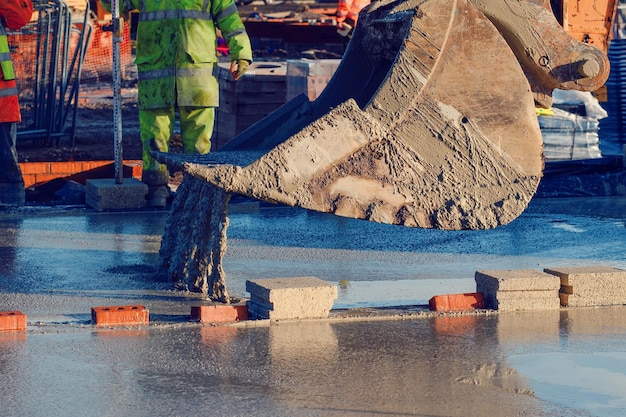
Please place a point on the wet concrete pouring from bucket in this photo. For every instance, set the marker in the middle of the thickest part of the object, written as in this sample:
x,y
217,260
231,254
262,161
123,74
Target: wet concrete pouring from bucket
x,y
194,241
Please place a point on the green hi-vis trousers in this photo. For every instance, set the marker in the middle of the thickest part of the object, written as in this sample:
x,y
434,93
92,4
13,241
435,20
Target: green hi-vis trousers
x,y
156,128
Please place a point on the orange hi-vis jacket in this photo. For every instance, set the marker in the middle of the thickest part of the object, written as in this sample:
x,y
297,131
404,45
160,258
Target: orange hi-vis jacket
x,y
13,15
349,9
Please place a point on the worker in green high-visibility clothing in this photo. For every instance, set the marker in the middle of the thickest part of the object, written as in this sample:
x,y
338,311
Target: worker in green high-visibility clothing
x,y
175,56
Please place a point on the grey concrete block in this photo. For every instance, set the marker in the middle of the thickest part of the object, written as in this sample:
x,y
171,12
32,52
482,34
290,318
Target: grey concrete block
x,y
527,295
591,276
518,290
105,194
571,300
290,298
522,300
588,286
528,304
309,77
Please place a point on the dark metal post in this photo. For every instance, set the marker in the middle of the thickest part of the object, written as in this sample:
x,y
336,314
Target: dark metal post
x,y
117,29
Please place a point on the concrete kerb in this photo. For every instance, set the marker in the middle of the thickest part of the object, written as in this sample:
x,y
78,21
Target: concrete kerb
x,y
408,312
552,288
290,298
591,285
416,312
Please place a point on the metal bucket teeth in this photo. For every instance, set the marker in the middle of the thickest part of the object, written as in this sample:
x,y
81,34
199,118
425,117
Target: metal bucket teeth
x,y
420,126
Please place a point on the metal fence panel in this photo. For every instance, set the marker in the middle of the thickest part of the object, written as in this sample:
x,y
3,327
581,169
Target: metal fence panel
x,y
48,55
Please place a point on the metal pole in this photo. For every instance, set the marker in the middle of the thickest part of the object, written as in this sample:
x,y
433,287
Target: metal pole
x,y
117,35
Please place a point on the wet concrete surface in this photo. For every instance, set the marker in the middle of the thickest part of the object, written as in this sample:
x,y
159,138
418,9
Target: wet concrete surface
x,y
57,263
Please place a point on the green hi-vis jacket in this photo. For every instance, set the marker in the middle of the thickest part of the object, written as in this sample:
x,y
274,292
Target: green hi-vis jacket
x,y
176,49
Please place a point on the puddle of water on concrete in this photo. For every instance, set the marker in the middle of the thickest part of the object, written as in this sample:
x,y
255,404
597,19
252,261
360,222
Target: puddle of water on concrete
x,y
355,294
594,381
362,294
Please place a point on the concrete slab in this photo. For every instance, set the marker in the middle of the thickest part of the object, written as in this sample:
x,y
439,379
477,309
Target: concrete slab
x,y
518,290
591,276
588,286
570,300
110,258
515,280
290,298
106,194
528,295
527,304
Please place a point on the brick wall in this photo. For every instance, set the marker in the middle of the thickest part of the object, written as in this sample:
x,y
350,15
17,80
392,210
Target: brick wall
x,y
40,172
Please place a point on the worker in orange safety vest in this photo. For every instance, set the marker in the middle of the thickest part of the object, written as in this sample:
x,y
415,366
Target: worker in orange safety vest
x,y
13,15
346,17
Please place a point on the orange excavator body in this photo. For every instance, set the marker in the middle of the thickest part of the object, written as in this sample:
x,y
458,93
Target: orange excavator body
x,y
589,21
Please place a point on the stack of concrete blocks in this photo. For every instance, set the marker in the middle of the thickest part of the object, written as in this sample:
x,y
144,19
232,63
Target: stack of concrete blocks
x,y
309,76
518,290
587,286
244,102
290,298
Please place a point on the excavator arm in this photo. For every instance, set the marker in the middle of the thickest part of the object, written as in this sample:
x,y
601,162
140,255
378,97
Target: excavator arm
x,y
429,121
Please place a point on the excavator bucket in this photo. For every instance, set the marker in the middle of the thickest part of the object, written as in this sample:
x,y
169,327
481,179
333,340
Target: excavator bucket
x,y
429,121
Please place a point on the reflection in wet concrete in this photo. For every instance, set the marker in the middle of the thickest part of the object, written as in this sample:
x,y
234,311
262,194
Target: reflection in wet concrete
x,y
534,364
523,327
586,368
410,367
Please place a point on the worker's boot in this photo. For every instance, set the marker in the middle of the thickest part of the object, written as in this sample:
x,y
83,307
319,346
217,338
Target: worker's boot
x,y
158,190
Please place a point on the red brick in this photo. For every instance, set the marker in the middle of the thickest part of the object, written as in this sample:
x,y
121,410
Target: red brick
x,y
103,169
95,164
29,180
12,320
120,315
45,177
457,302
35,167
40,172
64,168
219,313
136,168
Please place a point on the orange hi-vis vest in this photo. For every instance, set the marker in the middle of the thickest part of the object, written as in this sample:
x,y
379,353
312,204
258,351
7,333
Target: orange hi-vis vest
x,y
13,14
349,9
8,87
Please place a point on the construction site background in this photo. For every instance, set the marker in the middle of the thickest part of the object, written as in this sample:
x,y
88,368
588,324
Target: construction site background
x,y
63,60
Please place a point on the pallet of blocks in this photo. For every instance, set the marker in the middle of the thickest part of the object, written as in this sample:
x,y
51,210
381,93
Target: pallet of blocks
x,y
260,91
